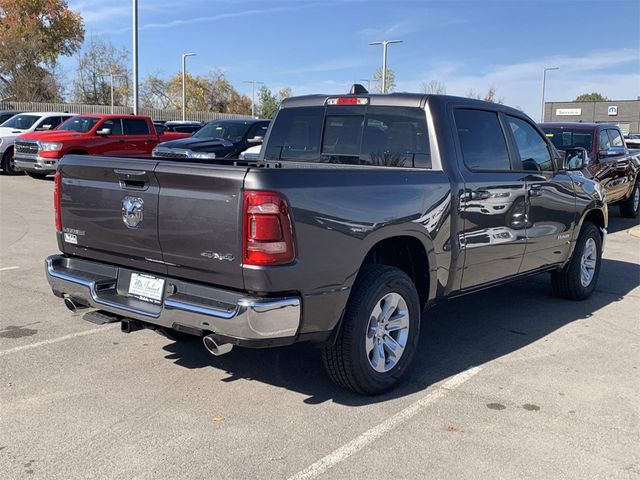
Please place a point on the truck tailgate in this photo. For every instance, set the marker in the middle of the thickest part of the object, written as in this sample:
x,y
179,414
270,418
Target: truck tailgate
x,y
200,226
96,194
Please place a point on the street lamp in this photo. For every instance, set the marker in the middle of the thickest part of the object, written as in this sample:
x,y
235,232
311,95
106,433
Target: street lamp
x,y
112,75
184,82
253,95
385,44
544,78
135,56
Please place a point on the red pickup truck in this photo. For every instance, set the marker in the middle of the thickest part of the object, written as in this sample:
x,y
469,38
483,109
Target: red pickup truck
x,y
38,153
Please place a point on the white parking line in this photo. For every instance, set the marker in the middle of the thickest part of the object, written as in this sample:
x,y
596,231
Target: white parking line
x,y
2,269
379,430
56,340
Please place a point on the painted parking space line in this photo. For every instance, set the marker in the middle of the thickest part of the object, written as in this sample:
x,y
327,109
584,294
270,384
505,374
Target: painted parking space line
x,y
374,433
84,333
4,269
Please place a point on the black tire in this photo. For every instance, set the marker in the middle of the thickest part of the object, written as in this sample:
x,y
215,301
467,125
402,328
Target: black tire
x,y
347,360
8,167
631,206
37,176
176,336
567,282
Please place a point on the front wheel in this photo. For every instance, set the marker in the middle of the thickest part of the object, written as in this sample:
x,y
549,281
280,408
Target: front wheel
x,y
578,279
631,206
379,334
8,163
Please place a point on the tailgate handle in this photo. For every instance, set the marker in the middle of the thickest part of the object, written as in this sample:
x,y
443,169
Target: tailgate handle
x,y
133,179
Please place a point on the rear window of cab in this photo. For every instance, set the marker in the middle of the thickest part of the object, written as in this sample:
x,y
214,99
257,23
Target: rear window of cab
x,y
351,135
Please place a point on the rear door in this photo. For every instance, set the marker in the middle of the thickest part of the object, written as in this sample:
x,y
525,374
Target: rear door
x,y
138,136
200,224
550,206
493,204
110,211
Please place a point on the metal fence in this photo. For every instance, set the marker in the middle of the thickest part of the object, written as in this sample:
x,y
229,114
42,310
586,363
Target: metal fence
x,y
154,113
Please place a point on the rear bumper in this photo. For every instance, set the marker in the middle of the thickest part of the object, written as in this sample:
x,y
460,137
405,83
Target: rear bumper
x,y
35,163
228,314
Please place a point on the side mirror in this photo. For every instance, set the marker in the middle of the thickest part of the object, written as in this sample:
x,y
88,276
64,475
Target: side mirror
x,y
44,128
258,139
575,158
104,131
612,152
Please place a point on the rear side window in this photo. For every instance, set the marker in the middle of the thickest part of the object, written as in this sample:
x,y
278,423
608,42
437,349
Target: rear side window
x,y
135,126
378,136
482,140
533,149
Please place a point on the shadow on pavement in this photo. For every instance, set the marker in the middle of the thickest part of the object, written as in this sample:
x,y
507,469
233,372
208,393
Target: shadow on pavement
x,y
455,335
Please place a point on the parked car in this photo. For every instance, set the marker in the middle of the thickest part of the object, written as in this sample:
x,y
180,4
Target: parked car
x,y
632,140
7,114
38,153
180,126
20,124
362,211
216,139
609,161
251,153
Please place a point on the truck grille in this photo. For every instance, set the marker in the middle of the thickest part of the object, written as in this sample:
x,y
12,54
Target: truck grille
x,y
170,153
26,147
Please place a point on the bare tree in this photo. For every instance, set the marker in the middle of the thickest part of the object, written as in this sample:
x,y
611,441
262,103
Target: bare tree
x,y
490,96
434,87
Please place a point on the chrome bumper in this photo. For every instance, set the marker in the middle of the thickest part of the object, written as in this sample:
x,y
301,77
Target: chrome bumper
x,y
35,163
187,304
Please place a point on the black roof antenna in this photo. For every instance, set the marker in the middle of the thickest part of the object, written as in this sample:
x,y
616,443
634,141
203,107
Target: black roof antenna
x,y
357,89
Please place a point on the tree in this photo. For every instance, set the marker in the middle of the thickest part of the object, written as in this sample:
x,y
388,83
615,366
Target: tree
x,y
434,87
591,97
490,96
96,62
33,35
268,103
390,81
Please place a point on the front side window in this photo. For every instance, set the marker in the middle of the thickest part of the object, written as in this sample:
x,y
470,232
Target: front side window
x,y
115,125
135,126
482,140
258,130
534,151
615,138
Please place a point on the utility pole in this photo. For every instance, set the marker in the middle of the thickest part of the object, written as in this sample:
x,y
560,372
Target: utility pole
x,y
135,56
184,83
544,78
112,75
385,44
253,94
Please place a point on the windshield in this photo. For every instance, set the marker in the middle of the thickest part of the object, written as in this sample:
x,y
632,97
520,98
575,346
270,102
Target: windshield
x,y
564,138
79,124
21,122
231,131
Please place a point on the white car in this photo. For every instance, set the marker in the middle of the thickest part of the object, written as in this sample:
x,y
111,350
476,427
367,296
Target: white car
x,y
23,123
251,153
632,140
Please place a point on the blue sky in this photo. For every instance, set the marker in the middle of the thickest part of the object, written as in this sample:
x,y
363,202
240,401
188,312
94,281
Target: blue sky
x,y
321,46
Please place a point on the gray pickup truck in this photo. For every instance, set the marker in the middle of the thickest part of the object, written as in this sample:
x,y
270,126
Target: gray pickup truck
x,y
361,212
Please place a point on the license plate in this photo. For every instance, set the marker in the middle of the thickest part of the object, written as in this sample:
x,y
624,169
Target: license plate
x,y
146,287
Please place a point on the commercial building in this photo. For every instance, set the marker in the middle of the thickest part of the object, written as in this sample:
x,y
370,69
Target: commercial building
x,y
623,113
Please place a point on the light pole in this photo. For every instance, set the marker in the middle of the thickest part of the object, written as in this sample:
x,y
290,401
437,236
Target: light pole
x,y
544,78
253,94
184,82
385,44
112,75
135,56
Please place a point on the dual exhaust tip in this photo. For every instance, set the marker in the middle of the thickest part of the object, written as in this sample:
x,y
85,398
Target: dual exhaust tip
x,y
214,346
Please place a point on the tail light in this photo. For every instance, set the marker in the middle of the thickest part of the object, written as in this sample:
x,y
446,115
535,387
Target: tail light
x,y
267,229
56,200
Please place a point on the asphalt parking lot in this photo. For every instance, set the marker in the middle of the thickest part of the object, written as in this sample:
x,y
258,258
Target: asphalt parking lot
x,y
508,383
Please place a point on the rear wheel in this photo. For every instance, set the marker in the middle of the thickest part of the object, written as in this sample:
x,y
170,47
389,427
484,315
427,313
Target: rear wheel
x,y
39,176
380,331
579,278
631,206
8,163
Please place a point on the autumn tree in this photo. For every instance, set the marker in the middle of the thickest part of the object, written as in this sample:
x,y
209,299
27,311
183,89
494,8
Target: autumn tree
x,y
33,35
92,84
434,87
591,97
390,81
268,103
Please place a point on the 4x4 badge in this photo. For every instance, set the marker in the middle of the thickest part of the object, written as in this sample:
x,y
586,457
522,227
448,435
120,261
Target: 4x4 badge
x,y
132,212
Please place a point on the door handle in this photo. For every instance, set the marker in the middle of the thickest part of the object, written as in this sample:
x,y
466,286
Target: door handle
x,y
132,179
535,191
480,195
